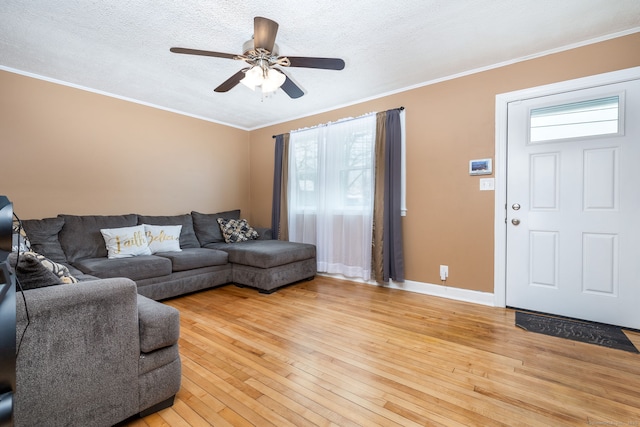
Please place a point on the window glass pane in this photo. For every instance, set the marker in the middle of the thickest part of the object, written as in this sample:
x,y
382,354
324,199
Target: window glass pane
x,y
355,174
306,165
577,119
332,166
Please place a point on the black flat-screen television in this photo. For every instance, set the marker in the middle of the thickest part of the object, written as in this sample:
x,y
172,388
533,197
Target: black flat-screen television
x,y
7,316
6,227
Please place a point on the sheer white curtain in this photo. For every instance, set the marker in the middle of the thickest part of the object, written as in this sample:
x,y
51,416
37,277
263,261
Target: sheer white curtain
x,y
331,193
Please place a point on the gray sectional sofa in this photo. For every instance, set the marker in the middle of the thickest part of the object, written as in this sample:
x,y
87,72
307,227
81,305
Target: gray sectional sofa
x,y
205,260
102,350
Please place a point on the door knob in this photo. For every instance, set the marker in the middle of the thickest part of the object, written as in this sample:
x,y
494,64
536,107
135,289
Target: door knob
x,y
515,207
515,221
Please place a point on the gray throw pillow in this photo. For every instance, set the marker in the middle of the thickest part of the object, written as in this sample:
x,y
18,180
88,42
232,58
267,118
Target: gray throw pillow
x,y
207,227
30,272
81,238
43,235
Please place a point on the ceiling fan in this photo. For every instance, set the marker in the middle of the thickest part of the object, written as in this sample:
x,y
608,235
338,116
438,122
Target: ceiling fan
x,y
261,54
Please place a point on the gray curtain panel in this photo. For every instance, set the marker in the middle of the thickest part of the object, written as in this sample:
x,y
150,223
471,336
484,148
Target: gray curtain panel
x,y
279,206
387,245
392,239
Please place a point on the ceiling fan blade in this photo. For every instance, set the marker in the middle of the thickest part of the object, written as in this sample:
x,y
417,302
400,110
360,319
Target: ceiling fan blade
x,y
290,88
323,63
264,33
231,82
202,52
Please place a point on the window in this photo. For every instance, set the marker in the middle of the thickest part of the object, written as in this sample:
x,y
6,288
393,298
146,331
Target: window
x,y
577,119
337,157
331,189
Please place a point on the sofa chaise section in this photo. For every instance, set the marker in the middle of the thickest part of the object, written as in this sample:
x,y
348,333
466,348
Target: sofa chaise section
x,y
269,264
263,263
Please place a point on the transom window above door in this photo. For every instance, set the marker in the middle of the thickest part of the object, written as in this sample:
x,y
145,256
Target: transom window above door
x,y
592,117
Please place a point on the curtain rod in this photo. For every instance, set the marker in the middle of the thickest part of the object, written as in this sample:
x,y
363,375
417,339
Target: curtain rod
x,y
399,108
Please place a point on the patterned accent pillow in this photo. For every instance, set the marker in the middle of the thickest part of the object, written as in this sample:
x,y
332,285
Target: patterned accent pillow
x,y
236,230
59,270
19,241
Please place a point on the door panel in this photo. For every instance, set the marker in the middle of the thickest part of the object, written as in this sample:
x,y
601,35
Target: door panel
x,y
544,181
600,264
601,172
543,258
572,244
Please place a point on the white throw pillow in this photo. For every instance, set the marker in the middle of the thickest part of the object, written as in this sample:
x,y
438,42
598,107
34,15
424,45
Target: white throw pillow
x,y
125,242
163,238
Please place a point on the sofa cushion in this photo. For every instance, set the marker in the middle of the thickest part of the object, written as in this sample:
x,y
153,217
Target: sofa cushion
x,y
135,268
43,236
266,253
125,242
191,258
31,273
159,324
80,236
82,277
207,227
188,237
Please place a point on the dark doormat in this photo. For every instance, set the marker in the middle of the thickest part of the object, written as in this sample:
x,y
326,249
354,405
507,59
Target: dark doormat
x,y
589,332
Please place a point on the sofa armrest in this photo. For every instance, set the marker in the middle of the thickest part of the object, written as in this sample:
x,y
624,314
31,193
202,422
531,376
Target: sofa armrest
x,y
78,350
263,233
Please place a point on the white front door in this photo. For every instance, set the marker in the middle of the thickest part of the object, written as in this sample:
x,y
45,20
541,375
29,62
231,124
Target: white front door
x,y
573,204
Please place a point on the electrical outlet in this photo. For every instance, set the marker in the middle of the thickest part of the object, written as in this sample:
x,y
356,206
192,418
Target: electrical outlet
x,y
444,272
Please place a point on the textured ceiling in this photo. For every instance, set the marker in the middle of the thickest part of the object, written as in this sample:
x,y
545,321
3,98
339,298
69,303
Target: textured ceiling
x,y
122,47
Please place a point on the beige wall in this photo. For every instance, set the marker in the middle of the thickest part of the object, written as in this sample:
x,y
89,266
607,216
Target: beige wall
x,y
449,220
66,150
78,152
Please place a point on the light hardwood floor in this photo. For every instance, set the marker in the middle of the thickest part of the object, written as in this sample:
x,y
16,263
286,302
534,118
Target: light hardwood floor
x,y
336,353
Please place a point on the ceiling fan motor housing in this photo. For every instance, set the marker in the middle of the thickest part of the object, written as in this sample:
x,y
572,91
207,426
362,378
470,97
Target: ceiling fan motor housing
x,y
248,46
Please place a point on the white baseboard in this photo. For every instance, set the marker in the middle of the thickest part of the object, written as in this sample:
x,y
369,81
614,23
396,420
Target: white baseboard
x,y
458,294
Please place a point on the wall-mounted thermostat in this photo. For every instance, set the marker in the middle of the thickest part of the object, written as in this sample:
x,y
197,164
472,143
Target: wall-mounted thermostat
x,y
480,167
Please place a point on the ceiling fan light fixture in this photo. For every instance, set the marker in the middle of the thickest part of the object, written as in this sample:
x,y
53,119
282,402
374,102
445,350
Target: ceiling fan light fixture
x,y
268,79
274,80
253,77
